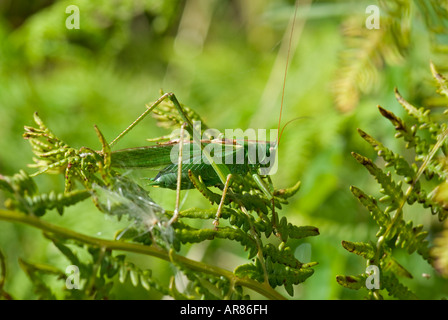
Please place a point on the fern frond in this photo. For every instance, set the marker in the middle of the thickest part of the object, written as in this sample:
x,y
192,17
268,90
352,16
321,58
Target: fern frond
x,y
442,82
26,198
365,250
3,294
408,134
389,264
288,192
136,275
288,230
440,251
393,195
352,282
412,238
435,17
187,234
168,117
359,64
396,232
382,218
368,51
396,288
421,115
39,204
35,272
399,163
279,274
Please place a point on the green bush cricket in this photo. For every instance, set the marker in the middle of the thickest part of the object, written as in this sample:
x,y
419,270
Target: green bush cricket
x,y
194,157
238,158
215,161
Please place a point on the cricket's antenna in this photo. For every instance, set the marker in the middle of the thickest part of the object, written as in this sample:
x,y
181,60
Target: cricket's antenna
x,y
283,128
279,134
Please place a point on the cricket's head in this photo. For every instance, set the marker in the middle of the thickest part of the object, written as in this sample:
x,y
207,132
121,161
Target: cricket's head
x,y
267,157
271,149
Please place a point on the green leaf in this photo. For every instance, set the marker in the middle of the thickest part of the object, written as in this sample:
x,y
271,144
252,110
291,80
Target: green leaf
x,y
352,282
366,250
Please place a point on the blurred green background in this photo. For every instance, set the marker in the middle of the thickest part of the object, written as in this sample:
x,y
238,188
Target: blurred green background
x,y
226,60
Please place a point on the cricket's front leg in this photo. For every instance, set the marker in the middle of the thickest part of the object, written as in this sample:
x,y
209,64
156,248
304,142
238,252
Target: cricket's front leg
x,y
149,109
265,189
179,175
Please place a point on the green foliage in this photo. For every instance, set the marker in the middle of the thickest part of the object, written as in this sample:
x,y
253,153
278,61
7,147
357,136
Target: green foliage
x,y
252,222
168,117
227,60
367,52
440,252
97,274
401,183
3,294
24,196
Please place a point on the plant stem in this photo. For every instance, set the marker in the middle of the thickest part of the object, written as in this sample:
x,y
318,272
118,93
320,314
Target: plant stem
x,y
261,288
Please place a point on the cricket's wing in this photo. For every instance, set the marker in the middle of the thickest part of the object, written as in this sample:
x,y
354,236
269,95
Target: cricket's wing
x,y
142,157
166,154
